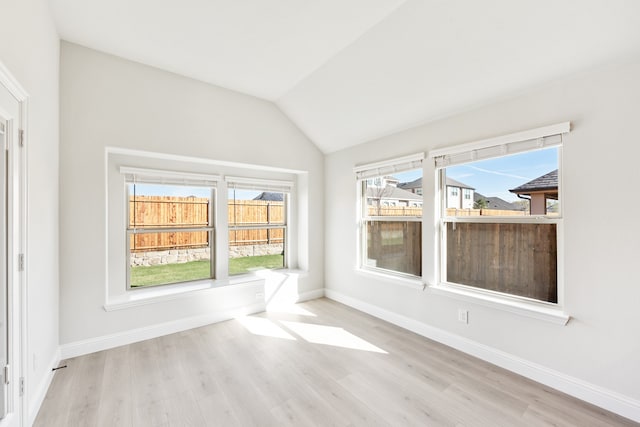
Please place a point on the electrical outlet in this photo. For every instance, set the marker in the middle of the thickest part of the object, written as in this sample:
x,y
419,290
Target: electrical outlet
x,y
463,315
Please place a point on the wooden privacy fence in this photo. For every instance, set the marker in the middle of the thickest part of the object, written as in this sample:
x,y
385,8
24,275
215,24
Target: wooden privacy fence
x,y
395,245
414,211
153,212
518,259
484,212
394,211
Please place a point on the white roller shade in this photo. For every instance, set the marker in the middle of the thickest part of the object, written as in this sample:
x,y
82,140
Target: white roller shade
x,y
389,167
548,136
154,176
269,185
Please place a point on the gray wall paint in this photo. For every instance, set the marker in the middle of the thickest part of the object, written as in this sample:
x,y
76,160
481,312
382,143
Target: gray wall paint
x,y
30,50
108,101
600,345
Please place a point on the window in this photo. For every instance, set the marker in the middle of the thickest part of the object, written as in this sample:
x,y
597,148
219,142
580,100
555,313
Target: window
x,y
257,217
175,226
511,247
391,217
170,233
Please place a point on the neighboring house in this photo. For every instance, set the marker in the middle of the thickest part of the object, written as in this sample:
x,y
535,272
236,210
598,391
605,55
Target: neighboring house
x,y
538,191
459,195
389,194
270,197
414,186
496,203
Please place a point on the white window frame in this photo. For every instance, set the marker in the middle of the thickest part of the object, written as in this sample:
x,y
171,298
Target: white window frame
x,y
375,170
275,186
189,170
520,142
162,177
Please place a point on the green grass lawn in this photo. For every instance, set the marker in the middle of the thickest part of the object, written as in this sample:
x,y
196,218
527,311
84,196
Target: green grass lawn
x,y
173,273
246,264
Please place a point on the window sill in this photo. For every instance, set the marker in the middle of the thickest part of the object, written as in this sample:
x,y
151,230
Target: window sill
x,y
158,294
523,308
398,279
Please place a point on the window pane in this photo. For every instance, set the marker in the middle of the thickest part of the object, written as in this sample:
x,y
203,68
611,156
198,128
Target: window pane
x,y
168,206
250,207
169,257
160,258
517,185
399,195
255,249
394,245
252,245
516,259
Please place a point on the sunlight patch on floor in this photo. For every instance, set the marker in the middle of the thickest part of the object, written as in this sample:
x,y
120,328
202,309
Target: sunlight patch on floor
x,y
290,309
330,335
264,327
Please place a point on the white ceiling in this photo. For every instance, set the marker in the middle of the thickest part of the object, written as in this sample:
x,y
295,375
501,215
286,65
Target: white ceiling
x,y
348,71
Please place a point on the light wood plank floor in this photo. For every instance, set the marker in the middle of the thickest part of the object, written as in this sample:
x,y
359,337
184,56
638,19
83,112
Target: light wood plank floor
x,y
320,363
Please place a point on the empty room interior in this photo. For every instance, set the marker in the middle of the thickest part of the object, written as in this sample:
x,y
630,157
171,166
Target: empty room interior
x,y
352,213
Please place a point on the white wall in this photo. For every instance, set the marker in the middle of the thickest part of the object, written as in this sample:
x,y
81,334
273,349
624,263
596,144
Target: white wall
x,y
29,48
600,345
108,101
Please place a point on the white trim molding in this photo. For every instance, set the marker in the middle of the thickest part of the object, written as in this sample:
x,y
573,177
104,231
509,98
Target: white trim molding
x,y
41,390
244,183
531,134
532,309
389,166
105,342
17,238
168,177
583,390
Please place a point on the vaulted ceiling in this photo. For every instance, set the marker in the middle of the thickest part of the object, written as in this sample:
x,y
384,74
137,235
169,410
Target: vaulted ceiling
x,y
348,71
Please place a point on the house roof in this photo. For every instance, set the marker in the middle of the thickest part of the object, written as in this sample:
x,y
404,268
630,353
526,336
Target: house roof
x,y
391,192
496,203
351,72
271,197
453,183
417,183
545,182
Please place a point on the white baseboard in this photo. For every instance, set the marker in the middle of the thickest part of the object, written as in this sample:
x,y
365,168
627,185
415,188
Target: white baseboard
x,y
105,342
309,295
596,395
118,339
41,389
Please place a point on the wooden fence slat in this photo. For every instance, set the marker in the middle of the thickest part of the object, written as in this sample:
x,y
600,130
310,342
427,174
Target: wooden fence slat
x,y
170,211
518,259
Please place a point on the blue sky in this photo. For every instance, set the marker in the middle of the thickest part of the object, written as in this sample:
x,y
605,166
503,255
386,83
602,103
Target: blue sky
x,y
169,190
186,191
496,176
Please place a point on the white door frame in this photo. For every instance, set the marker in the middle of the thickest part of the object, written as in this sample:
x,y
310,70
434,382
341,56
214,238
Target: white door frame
x,y
17,252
